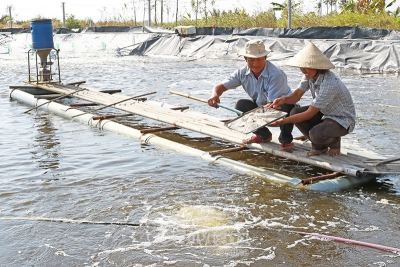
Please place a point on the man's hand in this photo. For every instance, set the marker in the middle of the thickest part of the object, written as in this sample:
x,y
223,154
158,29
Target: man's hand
x,y
216,92
213,101
276,123
277,103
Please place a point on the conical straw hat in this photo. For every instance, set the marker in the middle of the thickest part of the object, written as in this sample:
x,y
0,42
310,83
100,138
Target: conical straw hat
x,y
254,49
311,57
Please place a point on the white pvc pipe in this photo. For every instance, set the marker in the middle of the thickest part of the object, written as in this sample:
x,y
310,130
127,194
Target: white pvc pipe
x,y
67,112
185,120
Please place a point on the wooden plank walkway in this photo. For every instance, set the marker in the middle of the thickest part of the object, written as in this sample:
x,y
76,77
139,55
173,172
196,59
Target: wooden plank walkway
x,y
347,163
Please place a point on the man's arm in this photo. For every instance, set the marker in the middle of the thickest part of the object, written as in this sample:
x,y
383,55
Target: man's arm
x,y
299,117
290,99
216,92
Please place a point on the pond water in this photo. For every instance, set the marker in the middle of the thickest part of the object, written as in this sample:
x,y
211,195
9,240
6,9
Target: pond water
x,y
191,213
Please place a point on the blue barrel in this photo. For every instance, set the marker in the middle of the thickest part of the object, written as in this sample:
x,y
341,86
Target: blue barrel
x,y
42,34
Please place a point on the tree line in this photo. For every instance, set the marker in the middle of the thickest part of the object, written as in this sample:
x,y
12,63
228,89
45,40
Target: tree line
x,y
204,13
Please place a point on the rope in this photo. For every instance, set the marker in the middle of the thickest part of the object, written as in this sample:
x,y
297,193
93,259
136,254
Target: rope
x,y
333,238
66,221
337,239
350,241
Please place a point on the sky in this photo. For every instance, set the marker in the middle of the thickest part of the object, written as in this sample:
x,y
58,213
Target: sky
x,y
23,10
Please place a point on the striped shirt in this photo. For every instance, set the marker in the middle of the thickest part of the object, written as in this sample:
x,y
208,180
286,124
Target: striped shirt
x,y
332,97
271,84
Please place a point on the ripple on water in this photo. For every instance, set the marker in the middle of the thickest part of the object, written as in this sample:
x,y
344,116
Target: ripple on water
x,y
194,213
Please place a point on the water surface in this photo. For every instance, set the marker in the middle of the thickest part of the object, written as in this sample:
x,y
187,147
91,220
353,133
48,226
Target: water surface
x,y
192,213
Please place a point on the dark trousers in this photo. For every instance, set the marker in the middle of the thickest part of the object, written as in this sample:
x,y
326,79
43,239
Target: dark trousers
x,y
285,136
322,133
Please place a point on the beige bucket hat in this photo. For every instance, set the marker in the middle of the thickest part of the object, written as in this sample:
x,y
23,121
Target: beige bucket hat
x,y
254,49
311,57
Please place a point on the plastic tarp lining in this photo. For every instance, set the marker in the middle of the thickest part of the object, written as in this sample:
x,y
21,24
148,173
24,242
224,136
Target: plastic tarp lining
x,y
142,47
375,50
347,32
324,33
135,29
377,55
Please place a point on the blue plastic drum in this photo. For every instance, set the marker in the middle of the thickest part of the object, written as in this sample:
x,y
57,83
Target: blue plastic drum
x,y
42,34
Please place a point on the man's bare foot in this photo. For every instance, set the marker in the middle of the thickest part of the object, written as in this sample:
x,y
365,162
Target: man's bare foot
x,y
315,152
333,152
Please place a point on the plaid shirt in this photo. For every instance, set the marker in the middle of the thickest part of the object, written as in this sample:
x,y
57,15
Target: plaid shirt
x,y
332,97
271,84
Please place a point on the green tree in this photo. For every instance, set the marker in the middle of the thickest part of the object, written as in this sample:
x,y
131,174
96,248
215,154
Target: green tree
x,y
284,7
200,6
395,13
4,20
330,3
368,6
391,3
72,22
343,4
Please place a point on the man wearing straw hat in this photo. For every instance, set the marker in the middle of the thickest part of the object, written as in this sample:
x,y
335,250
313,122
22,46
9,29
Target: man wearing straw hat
x,y
263,82
331,113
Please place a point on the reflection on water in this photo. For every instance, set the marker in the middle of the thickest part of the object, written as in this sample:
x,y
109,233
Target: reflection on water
x,y
46,144
192,213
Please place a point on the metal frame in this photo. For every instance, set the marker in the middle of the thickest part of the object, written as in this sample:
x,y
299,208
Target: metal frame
x,y
30,75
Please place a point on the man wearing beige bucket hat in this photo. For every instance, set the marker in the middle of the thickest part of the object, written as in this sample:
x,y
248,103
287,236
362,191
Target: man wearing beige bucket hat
x,y
263,82
331,113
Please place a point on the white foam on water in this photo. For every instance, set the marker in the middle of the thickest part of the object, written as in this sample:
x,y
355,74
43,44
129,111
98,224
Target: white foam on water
x,y
202,216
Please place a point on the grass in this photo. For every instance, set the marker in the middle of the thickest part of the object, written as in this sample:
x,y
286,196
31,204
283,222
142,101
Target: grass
x,y
240,19
372,20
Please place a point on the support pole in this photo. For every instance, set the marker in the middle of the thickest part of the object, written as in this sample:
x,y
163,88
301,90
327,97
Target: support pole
x,y
9,10
159,129
162,12
144,14
227,150
106,117
289,14
149,24
197,11
63,10
176,14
